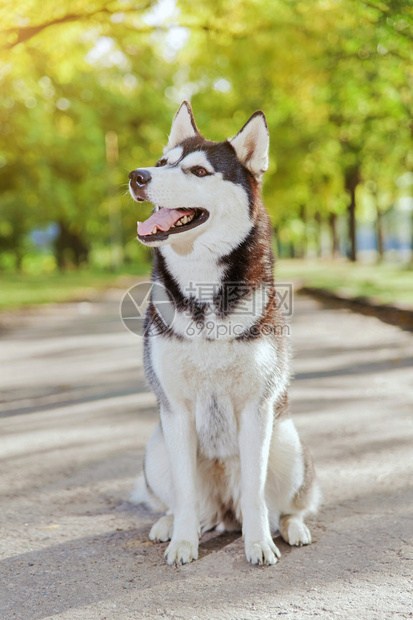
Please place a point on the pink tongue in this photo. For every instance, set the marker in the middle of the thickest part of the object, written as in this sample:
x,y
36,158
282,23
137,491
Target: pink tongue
x,y
163,219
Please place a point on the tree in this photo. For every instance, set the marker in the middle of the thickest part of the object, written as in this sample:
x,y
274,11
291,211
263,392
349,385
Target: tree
x,y
334,79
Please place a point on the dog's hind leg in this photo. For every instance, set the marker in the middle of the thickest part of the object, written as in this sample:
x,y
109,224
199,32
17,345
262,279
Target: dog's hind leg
x,y
306,500
162,530
292,491
159,490
157,472
294,530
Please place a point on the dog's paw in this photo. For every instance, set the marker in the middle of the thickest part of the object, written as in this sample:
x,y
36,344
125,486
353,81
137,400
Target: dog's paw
x,y
161,531
295,532
298,534
181,552
262,552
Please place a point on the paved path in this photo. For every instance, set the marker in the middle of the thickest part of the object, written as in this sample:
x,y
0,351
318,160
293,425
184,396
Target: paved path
x,y
74,419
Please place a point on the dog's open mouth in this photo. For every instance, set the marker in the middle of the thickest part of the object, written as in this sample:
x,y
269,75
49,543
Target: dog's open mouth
x,y
164,222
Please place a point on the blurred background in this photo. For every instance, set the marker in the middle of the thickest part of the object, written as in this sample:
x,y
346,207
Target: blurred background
x,y
88,90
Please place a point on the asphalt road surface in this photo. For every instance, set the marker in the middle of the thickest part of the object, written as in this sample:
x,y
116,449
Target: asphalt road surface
x,y
74,418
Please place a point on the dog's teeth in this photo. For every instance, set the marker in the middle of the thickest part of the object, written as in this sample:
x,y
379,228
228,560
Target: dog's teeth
x,y
179,223
155,230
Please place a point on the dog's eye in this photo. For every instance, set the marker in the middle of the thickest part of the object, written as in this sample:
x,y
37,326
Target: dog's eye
x,y
160,163
199,171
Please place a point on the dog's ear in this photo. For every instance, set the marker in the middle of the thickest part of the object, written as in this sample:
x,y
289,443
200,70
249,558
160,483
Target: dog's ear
x,y
251,145
183,126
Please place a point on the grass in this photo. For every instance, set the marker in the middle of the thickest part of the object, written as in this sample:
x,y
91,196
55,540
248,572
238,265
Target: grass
x,y
22,290
386,283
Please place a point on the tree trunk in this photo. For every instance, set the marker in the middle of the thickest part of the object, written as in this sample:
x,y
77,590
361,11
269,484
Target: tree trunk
x,y
334,238
317,218
277,243
411,242
352,231
379,231
303,215
19,259
69,248
352,179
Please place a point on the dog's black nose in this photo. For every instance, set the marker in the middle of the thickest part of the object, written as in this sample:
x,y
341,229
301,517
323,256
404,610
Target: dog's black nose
x,y
140,177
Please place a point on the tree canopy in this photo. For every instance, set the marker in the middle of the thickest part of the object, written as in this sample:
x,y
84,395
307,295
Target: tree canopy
x,y
334,78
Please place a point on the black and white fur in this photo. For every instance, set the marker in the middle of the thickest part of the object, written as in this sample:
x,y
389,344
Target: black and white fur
x,y
226,453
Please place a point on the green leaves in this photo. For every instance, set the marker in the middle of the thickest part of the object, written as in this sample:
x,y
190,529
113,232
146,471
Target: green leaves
x,y
334,79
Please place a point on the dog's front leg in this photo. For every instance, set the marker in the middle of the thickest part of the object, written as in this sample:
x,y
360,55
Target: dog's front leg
x,y
181,444
254,443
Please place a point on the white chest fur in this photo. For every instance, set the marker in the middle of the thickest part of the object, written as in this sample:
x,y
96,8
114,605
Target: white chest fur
x,y
213,381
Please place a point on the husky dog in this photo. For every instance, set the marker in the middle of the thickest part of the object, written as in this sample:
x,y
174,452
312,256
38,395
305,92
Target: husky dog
x,y
226,453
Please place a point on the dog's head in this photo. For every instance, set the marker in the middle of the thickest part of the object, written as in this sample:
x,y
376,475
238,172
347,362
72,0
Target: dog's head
x,y
202,191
